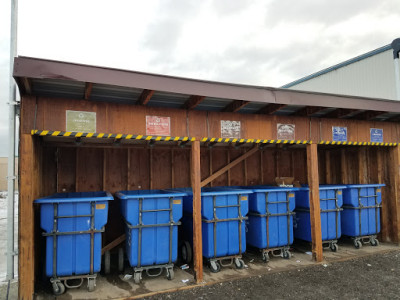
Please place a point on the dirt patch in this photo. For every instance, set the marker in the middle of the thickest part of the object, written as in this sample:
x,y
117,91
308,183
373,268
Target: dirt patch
x,y
372,277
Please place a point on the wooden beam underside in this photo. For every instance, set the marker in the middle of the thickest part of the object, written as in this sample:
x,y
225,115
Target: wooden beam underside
x,y
193,101
368,115
88,90
229,166
145,97
27,85
339,113
235,106
271,108
308,111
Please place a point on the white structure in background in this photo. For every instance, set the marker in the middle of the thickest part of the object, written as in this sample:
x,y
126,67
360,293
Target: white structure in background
x,y
375,74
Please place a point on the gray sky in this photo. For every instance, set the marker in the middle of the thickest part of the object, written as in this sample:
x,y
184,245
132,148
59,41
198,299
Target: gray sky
x,y
260,42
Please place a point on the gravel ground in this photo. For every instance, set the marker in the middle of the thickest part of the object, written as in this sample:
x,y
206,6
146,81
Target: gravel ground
x,y
371,277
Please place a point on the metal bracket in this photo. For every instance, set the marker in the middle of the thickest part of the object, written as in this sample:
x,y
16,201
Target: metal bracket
x,y
11,177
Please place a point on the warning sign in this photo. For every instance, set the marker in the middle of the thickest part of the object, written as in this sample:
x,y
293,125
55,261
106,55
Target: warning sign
x,y
285,131
158,126
230,129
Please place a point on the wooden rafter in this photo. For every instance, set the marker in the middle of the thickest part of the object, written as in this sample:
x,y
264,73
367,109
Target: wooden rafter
x,y
235,106
368,115
339,113
27,85
88,90
193,101
395,118
229,166
271,108
145,97
308,111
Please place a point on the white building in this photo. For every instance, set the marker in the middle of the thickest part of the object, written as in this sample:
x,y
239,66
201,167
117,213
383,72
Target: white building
x,y
374,74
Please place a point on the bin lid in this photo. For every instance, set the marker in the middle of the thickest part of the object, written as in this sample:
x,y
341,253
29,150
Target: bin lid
x,y
149,194
215,191
365,185
324,187
269,188
76,197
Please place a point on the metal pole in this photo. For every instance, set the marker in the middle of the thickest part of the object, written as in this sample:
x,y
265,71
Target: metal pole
x,y
11,145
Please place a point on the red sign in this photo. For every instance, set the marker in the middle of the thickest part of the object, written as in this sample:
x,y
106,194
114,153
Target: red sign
x,y
158,125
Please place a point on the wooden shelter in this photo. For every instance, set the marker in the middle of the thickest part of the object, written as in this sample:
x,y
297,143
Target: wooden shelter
x,y
153,132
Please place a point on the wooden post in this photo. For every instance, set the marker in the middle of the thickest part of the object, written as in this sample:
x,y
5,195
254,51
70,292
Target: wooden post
x,y
328,170
26,233
362,166
315,212
344,175
385,192
195,175
393,205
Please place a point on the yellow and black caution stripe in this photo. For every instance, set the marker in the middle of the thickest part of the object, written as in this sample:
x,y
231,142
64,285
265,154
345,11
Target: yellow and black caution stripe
x,y
253,141
117,136
357,143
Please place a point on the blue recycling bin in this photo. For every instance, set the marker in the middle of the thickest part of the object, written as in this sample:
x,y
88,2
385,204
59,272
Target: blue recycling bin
x,y
331,201
223,212
73,223
361,213
152,218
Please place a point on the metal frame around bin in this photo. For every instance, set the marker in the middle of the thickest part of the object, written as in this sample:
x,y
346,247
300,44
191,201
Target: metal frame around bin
x,y
283,250
170,265
331,244
56,281
371,238
216,262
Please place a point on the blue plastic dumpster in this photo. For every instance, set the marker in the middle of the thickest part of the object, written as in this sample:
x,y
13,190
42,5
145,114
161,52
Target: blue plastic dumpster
x,y
151,218
331,201
361,214
73,223
270,223
223,212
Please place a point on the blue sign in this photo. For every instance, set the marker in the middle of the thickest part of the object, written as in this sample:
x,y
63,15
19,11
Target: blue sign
x,y
339,134
376,135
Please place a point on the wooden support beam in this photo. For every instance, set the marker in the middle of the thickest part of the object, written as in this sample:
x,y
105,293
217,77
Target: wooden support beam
x,y
395,118
27,85
193,101
229,166
26,232
195,175
394,190
362,165
307,111
88,90
271,108
368,115
315,211
235,106
145,97
339,113
344,174
113,244
328,166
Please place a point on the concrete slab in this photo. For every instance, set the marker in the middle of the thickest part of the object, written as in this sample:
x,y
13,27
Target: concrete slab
x,y
113,287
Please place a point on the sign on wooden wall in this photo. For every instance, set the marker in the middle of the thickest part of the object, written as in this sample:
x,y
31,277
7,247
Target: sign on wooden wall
x,y
80,121
339,134
230,129
158,125
376,135
285,131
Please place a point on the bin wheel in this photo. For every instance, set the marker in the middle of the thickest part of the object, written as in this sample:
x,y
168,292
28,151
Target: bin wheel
x,y
215,267
286,254
357,244
120,259
186,251
58,288
239,263
374,242
334,247
170,274
137,277
107,262
265,257
91,284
